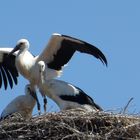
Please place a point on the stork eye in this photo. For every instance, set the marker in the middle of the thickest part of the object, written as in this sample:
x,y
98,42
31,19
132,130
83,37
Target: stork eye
x,y
28,88
21,43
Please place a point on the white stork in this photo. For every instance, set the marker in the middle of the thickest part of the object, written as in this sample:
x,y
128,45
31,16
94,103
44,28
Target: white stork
x,y
22,104
65,95
56,54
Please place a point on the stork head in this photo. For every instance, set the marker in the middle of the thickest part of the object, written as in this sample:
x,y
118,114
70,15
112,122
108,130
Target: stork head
x,y
41,65
22,44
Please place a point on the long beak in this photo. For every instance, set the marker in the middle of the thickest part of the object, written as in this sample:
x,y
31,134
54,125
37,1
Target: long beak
x,y
14,50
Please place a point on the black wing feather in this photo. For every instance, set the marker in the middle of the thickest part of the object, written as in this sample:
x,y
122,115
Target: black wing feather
x,y
85,47
68,47
10,66
14,76
4,78
9,78
81,98
0,79
8,70
62,57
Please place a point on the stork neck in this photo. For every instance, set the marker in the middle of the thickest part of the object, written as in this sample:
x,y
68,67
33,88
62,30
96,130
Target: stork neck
x,y
22,51
24,63
42,76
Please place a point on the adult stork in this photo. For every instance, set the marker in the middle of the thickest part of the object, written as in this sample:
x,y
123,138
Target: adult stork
x,y
65,95
56,54
22,104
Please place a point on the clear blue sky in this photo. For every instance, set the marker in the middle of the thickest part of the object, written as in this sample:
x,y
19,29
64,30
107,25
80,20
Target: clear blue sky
x,y
112,26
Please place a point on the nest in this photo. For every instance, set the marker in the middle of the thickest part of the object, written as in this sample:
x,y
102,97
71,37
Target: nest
x,y
72,125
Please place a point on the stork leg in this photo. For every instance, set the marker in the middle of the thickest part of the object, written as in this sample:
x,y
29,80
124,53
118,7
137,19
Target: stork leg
x,y
38,108
45,104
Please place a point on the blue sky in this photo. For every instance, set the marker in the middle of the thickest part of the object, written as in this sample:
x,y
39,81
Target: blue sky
x,y
112,26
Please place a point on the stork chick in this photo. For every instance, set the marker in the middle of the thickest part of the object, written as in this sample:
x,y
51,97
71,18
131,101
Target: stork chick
x,y
65,95
22,104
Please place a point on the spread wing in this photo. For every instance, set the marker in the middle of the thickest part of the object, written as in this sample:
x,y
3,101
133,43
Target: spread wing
x,y
8,71
61,48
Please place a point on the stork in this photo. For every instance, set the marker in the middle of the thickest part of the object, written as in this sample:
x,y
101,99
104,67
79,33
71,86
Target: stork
x,y
65,95
56,54
22,104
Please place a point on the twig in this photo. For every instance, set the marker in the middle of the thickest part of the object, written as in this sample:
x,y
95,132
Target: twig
x,y
125,108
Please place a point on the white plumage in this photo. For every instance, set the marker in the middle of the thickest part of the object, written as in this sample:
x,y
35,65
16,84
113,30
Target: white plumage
x,y
56,54
22,104
65,95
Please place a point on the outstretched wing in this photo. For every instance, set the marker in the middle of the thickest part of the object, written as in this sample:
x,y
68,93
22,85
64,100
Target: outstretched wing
x,y
61,48
8,71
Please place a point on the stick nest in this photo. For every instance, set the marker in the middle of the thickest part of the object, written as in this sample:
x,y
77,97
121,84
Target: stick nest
x,y
72,125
